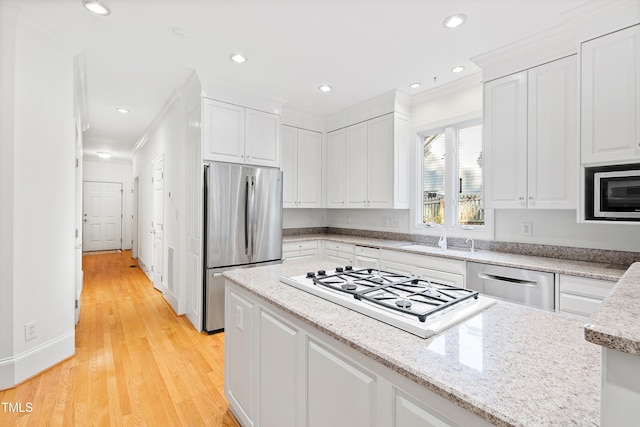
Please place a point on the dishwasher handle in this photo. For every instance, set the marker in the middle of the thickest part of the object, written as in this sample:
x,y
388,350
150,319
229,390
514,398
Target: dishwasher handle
x,y
510,280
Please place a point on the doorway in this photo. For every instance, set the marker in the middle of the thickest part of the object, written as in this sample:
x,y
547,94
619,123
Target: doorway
x,y
102,216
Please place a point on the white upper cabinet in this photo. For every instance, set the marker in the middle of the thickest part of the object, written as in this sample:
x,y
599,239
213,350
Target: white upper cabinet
x,y
610,98
236,134
531,139
552,140
301,168
367,164
336,149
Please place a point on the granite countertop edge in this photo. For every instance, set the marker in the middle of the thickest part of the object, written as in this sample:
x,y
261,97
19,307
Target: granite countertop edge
x,y
584,269
616,325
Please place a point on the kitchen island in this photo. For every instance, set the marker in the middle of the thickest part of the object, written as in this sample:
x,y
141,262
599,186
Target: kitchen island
x,y
510,365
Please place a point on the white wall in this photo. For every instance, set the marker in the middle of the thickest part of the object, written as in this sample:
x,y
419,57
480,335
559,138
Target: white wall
x,y
304,218
167,139
120,171
38,203
559,228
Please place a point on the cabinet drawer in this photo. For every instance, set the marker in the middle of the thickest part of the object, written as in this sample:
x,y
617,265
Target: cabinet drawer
x,y
577,304
425,261
591,288
300,246
368,252
339,247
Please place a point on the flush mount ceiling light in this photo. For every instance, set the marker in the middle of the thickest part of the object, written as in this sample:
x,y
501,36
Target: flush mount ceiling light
x,y
324,88
415,85
104,154
96,7
238,58
454,21
122,110
457,69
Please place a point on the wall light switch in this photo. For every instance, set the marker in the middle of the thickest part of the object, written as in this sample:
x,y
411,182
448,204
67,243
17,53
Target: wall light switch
x,y
526,229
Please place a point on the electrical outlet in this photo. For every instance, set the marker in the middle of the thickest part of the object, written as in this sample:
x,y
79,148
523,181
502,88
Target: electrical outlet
x,y
30,332
526,229
385,220
395,222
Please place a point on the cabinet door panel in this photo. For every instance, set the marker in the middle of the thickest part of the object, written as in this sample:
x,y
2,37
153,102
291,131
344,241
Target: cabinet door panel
x,y
380,163
278,372
610,97
223,131
289,167
356,153
505,135
262,138
240,369
336,172
309,169
338,393
553,139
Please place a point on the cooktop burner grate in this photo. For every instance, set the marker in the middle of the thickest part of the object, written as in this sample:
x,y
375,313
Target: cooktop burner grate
x,y
397,292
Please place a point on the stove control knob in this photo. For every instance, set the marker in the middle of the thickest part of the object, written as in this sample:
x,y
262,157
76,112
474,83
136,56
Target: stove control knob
x,y
339,269
348,268
322,273
311,275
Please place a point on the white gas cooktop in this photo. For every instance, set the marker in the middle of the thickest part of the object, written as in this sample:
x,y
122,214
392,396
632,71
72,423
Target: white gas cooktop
x,y
420,306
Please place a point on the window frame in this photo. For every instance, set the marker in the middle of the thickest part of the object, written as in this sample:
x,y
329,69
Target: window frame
x,y
453,228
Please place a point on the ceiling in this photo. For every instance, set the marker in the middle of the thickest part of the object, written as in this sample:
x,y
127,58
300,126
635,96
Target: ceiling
x,y
362,48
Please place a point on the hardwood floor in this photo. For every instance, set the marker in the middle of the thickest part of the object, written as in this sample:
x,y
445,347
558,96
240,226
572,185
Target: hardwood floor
x,y
136,362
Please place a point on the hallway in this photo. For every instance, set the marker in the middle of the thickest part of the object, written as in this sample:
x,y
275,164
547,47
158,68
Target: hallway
x,y
136,362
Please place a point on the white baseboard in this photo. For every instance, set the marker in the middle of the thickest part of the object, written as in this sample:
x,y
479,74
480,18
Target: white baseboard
x,y
23,366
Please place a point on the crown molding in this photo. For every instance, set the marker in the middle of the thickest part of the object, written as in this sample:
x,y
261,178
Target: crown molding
x,y
468,82
221,90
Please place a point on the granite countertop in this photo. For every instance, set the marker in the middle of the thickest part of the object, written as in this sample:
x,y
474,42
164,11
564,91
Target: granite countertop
x,y
617,324
511,365
548,264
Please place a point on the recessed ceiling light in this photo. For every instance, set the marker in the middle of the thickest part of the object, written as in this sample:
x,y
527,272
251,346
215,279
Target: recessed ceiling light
x,y
454,21
457,69
104,154
415,85
324,88
122,110
238,58
96,7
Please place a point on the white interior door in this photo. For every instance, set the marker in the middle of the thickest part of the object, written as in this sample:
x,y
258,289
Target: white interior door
x,y
157,225
102,216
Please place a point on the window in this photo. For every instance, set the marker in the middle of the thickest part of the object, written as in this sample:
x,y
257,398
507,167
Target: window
x,y
452,185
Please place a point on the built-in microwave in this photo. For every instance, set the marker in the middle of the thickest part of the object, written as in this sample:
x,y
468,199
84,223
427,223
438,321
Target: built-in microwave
x,y
612,193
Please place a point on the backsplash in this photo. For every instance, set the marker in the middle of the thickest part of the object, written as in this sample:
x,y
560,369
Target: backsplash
x,y
602,256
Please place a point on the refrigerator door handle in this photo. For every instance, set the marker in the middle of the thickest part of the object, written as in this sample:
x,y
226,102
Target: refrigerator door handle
x,y
254,226
246,216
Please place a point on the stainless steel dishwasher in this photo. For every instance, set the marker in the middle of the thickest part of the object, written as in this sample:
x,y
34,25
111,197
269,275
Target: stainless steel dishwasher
x,y
532,288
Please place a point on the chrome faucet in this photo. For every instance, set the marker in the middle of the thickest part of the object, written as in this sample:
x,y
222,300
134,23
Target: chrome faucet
x,y
442,242
473,248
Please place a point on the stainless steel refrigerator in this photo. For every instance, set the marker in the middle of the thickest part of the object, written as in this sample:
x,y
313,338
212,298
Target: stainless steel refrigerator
x,y
243,227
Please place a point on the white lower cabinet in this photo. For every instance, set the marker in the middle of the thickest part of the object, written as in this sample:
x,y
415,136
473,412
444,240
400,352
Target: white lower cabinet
x,y
279,357
338,391
340,254
300,251
365,257
240,371
581,296
446,270
279,371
